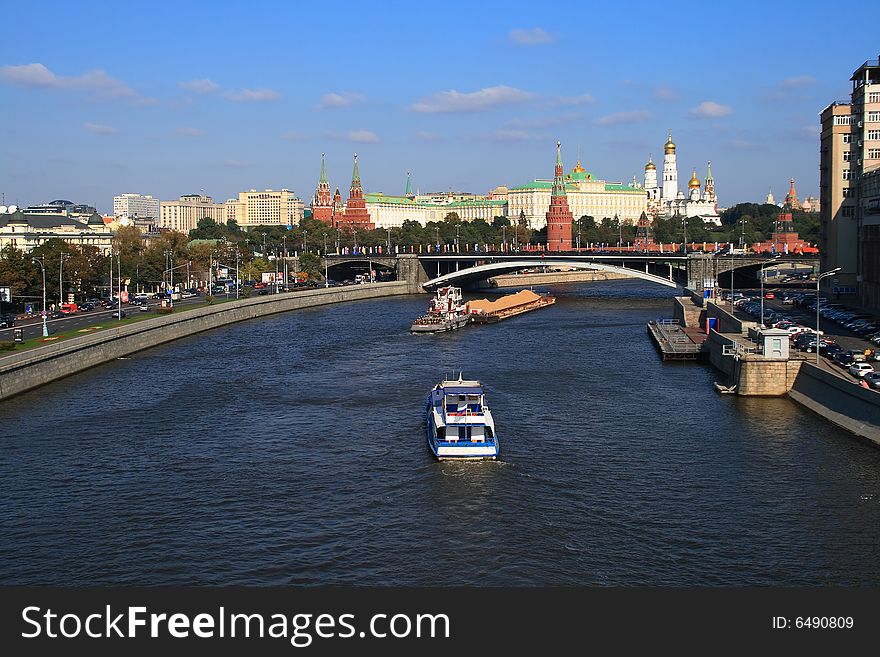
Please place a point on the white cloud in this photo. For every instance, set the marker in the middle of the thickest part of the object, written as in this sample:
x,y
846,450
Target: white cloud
x,y
666,93
476,101
100,129
362,137
189,132
545,121
710,110
203,86
535,36
797,81
739,145
253,95
583,99
344,99
633,116
423,135
291,135
507,135
97,82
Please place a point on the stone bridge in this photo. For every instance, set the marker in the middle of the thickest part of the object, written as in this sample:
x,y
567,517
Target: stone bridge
x,y
695,271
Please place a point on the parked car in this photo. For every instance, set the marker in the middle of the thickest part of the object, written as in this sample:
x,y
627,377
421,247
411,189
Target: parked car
x,y
873,380
844,359
7,321
859,370
144,308
769,295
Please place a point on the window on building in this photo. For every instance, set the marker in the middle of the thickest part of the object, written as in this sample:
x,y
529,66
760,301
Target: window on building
x,y
847,139
847,210
873,134
843,120
846,174
873,117
873,153
847,156
874,97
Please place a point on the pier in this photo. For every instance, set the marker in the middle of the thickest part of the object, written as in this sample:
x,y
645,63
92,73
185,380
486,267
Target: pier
x,y
676,342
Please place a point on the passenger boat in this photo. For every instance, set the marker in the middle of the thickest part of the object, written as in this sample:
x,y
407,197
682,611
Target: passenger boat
x,y
446,312
459,424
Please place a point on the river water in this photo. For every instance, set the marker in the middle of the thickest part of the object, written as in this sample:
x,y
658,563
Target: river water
x,y
291,450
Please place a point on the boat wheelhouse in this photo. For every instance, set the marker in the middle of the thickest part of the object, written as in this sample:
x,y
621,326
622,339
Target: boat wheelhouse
x,y
459,423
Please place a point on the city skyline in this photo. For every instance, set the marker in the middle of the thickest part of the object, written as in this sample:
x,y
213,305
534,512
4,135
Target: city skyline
x,y
226,102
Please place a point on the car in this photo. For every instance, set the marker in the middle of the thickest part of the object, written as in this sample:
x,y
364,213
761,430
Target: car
x,y
844,359
830,350
7,321
859,370
769,295
873,380
144,308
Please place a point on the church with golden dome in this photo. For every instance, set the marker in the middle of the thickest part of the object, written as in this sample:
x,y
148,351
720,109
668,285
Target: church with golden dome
x,y
669,201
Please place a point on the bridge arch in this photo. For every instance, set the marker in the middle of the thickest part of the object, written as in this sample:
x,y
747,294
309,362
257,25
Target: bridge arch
x,y
471,275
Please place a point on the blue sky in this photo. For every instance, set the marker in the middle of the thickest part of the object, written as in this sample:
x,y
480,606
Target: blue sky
x,y
161,98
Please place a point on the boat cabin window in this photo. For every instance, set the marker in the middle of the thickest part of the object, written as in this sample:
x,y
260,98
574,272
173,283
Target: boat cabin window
x,y
460,403
472,433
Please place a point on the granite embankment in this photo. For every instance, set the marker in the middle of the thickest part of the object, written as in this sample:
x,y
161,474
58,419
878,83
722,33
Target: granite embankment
x,y
36,367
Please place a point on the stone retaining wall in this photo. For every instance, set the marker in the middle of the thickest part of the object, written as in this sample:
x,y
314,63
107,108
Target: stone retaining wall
x,y
838,400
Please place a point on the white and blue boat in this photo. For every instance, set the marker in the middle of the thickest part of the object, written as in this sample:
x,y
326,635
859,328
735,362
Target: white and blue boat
x,y
459,424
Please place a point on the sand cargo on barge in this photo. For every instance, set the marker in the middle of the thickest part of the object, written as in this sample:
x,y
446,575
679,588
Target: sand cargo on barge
x,y
483,311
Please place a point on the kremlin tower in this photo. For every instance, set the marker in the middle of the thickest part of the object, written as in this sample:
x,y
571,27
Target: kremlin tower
x,y
355,215
322,204
559,215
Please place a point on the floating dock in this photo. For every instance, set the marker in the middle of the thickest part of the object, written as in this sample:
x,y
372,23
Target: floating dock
x,y
676,342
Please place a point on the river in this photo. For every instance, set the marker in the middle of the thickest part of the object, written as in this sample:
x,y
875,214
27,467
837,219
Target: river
x,y
291,450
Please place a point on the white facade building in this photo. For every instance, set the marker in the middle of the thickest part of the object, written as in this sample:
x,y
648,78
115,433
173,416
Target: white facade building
x,y
135,206
391,211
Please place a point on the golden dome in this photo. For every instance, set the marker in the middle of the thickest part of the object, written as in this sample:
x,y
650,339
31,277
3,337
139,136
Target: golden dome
x,y
694,181
650,166
669,147
578,168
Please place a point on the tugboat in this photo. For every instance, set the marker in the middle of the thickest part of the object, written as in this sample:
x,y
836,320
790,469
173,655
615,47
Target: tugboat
x,y
447,312
459,424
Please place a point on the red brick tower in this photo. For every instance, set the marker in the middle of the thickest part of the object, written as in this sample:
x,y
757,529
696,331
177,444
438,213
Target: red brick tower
x,y
559,215
356,215
338,207
322,204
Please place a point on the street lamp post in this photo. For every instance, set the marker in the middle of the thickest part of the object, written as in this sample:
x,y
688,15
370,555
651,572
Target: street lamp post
x,y
305,233
437,234
61,282
118,283
819,278
504,239
388,230
326,264
43,268
763,269
286,282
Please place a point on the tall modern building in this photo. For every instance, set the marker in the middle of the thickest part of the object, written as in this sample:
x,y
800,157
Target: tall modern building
x,y
849,150
135,206
185,213
265,208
